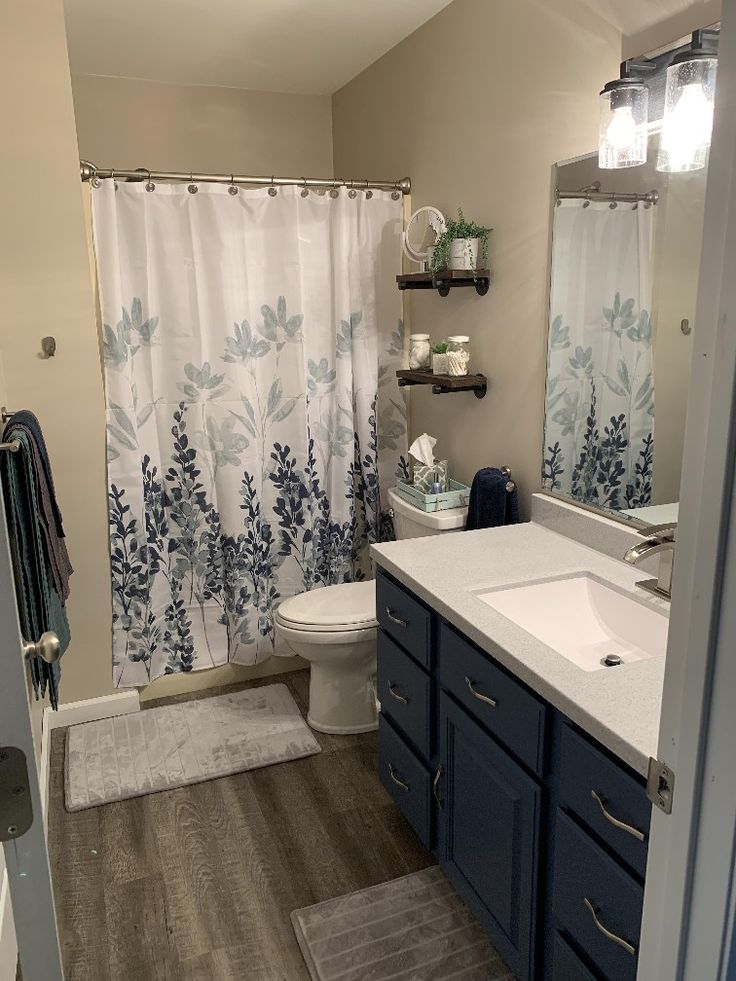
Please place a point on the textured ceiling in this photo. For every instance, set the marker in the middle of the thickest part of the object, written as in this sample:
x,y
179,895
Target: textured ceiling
x,y
631,16
306,46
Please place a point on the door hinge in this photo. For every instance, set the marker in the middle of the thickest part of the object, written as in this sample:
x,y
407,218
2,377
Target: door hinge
x,y
660,785
16,810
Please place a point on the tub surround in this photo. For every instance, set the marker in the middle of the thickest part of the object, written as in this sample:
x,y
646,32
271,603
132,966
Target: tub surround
x,y
619,707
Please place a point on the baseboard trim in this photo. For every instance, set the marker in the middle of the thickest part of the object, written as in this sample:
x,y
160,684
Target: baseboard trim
x,y
8,944
72,713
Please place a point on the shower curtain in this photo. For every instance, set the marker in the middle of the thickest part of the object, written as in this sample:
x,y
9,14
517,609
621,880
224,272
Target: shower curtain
x,y
599,413
253,417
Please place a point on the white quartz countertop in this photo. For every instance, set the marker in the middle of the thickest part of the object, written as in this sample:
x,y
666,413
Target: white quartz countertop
x,y
619,707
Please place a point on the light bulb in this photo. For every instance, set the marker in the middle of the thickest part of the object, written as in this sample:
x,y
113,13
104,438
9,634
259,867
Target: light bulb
x,y
621,131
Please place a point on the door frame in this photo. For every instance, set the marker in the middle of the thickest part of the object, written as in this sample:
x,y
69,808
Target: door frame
x,y
687,932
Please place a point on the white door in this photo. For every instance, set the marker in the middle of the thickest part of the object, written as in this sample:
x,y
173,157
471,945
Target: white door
x,y
29,927
688,925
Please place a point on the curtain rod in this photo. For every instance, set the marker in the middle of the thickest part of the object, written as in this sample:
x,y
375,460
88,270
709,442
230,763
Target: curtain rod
x,y
89,172
591,194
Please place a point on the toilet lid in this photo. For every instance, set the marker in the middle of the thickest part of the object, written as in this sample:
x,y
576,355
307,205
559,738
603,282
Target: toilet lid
x,y
349,605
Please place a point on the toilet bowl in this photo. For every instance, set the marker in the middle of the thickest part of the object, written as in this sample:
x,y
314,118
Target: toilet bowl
x,y
334,628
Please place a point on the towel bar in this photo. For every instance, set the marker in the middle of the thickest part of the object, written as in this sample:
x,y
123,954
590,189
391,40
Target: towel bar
x,y
13,446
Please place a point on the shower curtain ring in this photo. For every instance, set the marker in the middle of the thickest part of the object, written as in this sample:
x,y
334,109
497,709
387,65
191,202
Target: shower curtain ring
x,y
232,189
586,202
334,191
192,187
368,192
352,192
112,175
150,186
396,193
614,203
272,189
305,189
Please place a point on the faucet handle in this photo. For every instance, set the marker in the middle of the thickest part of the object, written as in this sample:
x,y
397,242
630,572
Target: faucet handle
x,y
665,532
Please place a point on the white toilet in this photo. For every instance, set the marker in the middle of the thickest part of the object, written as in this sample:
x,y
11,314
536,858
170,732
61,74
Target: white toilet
x,y
334,628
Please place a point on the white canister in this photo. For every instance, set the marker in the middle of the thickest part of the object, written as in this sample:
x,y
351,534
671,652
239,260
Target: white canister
x,y
464,253
458,354
419,352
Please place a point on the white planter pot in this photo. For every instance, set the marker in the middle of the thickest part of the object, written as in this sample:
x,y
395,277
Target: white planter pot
x,y
439,364
464,253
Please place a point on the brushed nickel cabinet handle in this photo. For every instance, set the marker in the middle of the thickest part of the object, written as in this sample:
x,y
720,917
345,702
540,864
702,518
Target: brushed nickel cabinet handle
x,y
621,825
436,786
399,697
629,948
397,780
394,619
476,694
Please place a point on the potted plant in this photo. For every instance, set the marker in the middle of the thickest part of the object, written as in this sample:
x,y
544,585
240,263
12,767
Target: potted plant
x,y
439,358
462,245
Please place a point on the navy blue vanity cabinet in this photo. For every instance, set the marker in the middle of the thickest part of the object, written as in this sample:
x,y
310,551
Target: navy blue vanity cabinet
x,y
488,834
542,831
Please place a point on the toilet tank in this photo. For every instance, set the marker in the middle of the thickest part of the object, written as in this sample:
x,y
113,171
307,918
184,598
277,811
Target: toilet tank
x,y
410,522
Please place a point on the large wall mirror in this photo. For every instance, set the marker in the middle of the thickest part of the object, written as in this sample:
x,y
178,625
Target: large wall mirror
x,y
624,273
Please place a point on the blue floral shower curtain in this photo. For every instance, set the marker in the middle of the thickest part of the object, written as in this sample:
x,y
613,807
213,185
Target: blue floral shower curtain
x,y
599,413
253,418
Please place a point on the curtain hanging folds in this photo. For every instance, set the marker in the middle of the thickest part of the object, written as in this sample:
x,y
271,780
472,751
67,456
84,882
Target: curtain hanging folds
x,y
253,419
599,413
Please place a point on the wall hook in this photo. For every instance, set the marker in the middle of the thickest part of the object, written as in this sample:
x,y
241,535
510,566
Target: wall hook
x,y
48,347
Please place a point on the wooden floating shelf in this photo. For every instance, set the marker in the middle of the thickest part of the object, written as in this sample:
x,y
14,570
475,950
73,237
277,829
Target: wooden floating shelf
x,y
443,282
442,384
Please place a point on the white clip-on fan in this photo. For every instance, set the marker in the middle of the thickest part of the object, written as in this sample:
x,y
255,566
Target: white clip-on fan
x,y
422,231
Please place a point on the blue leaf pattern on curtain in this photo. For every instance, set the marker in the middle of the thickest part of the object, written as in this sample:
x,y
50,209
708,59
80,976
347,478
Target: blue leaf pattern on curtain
x,y
599,411
250,437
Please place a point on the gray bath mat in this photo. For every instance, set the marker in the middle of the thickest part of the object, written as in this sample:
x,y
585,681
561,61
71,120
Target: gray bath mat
x,y
188,742
411,929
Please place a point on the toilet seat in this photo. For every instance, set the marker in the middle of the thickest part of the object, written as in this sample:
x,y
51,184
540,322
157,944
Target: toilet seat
x,y
343,608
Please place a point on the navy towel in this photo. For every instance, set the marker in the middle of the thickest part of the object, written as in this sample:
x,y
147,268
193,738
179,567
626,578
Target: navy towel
x,y
491,505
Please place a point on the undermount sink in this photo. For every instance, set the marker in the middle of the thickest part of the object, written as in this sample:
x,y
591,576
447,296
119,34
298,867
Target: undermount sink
x,y
584,619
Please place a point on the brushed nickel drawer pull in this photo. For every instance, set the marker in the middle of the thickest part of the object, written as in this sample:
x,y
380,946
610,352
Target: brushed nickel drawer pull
x,y
476,694
395,619
621,825
436,785
629,948
399,697
397,780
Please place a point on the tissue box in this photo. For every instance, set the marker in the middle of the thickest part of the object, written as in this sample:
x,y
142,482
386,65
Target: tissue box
x,y
424,476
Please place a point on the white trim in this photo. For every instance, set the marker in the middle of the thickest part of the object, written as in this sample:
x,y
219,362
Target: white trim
x,y
72,713
8,943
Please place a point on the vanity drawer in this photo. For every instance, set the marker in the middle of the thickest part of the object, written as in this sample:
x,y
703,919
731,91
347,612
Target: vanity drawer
x,y
584,874
406,779
404,691
606,798
566,965
405,618
510,712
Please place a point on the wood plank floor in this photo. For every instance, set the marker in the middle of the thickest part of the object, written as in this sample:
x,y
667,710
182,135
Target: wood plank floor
x,y
197,884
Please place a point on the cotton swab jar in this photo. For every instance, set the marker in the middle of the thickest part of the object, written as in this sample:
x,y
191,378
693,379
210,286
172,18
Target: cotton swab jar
x,y
458,354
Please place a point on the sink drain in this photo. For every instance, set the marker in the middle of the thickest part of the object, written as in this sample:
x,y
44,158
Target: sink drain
x,y
611,660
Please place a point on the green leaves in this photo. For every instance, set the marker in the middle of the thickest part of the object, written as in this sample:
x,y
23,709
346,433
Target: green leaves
x,y
128,336
243,345
121,428
559,336
201,381
277,327
349,329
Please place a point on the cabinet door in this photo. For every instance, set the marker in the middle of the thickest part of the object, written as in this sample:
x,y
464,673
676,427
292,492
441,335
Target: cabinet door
x,y
488,834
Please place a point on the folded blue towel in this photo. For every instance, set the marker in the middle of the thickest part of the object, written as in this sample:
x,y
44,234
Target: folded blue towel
x,y
40,604
491,505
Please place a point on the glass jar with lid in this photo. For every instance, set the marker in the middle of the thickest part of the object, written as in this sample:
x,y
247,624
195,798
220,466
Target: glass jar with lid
x,y
419,359
458,354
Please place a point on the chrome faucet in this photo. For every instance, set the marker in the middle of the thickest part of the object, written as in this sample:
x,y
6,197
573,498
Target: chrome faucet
x,y
659,540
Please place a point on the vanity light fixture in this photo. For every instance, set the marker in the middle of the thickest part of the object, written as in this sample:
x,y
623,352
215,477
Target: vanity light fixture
x,y
688,106
624,111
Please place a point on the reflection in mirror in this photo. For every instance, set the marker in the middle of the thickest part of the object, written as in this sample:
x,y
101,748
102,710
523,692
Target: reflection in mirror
x,y
623,286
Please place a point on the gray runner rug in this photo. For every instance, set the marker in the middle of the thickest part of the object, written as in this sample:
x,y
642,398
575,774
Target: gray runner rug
x,y
184,743
415,928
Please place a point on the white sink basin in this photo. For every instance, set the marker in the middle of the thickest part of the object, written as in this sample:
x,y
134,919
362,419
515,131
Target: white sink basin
x,y
584,619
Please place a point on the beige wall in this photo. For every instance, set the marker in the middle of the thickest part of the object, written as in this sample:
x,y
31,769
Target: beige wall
x,y
123,122
45,289
475,106
700,13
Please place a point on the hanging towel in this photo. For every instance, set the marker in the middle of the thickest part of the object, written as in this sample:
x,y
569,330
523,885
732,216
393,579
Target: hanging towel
x,y
491,505
36,534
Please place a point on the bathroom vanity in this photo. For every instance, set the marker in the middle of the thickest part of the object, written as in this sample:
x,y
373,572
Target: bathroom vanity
x,y
523,772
